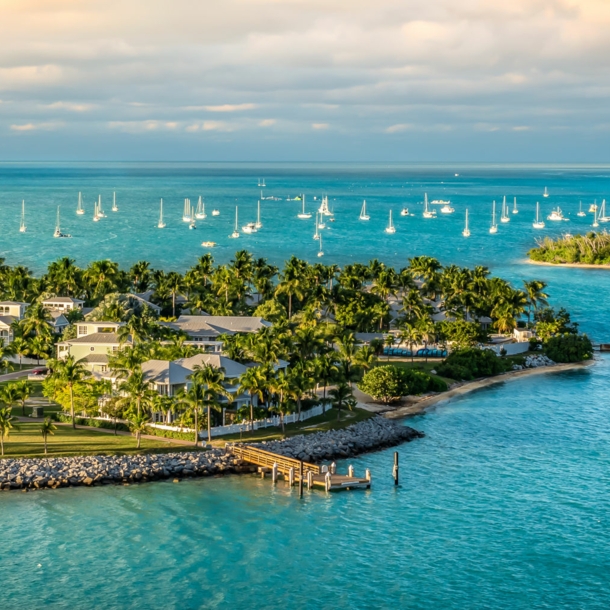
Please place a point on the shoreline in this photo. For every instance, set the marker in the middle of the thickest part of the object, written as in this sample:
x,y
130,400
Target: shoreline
x,y
471,386
573,265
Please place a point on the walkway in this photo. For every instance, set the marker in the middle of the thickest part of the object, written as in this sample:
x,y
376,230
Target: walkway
x,y
16,375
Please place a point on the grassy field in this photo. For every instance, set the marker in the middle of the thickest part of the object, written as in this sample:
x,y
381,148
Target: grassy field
x,y
321,423
27,442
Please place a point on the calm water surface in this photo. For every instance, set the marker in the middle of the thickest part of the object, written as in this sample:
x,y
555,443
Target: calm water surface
x,y
504,504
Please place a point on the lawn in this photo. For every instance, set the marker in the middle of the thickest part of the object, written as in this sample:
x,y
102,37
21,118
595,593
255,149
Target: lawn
x,y
321,423
27,442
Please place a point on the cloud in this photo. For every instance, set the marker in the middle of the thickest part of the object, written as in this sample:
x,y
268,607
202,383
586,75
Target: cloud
x,y
267,122
230,108
72,107
398,128
221,126
319,126
36,126
143,126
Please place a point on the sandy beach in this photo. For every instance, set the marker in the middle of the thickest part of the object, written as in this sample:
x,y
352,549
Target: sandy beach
x,y
574,265
459,389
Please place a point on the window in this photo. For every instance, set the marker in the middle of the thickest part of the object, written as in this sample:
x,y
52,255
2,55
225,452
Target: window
x,y
82,330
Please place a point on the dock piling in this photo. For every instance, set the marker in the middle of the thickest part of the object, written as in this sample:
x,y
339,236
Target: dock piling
x,y
327,481
274,473
395,469
301,480
333,468
350,471
367,475
309,480
291,477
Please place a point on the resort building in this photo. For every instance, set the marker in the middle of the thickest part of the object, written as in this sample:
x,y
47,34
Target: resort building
x,y
10,312
63,304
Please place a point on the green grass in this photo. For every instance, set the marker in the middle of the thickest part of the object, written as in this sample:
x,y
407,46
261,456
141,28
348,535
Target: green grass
x,y
27,442
417,365
321,423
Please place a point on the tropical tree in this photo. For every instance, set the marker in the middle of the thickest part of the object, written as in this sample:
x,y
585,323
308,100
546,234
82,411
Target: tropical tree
x,y
37,321
193,399
20,347
342,396
536,296
138,422
7,423
325,370
136,391
9,395
47,427
69,372
253,382
24,389
213,380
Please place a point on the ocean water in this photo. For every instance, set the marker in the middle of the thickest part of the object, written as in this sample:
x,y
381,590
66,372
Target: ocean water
x,y
131,234
504,504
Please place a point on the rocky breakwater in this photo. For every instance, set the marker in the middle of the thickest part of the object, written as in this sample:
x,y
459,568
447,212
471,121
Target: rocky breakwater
x,y
533,362
108,469
369,435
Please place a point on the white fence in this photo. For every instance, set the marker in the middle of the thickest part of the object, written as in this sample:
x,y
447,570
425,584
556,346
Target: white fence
x,y
511,348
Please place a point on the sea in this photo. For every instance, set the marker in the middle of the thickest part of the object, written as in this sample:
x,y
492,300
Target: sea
x,y
504,504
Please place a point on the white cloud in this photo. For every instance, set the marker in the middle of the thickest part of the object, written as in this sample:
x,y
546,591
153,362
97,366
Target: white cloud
x,y
230,107
319,126
267,123
398,128
51,126
71,106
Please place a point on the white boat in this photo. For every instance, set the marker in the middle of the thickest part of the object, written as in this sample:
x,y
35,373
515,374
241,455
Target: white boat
x,y
427,212
235,233
404,212
320,251
215,212
447,209
546,192
321,223
323,209
22,227
161,223
208,244
114,205
303,215
538,224
200,213
440,202
259,224
494,227
505,217
58,232
593,207
100,212
193,223
556,215
186,214
595,220
96,214
261,182
316,235
390,228
249,228
601,217
79,208
363,214
466,231
515,210
580,211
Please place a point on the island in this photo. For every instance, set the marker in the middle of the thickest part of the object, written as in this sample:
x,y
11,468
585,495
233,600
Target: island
x,y
590,250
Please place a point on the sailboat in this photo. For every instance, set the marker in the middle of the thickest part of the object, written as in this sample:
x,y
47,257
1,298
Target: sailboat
x,y
186,214
79,207
546,192
215,212
235,233
200,213
304,214
494,226
58,232
261,182
601,217
100,212
161,223
96,214
404,212
593,207
192,224
515,210
114,205
538,224
580,211
316,235
363,214
595,221
390,228
324,211
427,212
505,217
320,251
22,227
258,223
466,231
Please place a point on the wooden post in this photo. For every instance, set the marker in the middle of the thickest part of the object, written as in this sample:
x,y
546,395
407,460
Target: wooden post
x,y
395,469
301,480
333,468
367,475
327,481
350,471
291,477
274,473
309,479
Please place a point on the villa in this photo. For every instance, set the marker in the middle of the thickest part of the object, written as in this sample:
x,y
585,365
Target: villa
x,y
10,312
63,304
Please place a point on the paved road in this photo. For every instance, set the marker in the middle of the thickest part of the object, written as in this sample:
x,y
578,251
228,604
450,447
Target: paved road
x,y
16,375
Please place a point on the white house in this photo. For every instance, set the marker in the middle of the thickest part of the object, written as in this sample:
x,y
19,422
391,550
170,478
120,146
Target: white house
x,y
63,304
10,312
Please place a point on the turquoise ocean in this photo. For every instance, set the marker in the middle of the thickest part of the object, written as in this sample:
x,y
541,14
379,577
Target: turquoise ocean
x,y
504,504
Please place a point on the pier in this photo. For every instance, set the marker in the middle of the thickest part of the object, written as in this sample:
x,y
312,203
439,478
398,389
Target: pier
x,y
297,471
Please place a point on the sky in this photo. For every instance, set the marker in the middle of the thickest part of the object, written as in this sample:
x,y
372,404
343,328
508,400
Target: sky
x,y
305,80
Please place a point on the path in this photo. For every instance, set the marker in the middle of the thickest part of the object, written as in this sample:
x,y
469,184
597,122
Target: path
x,y
16,375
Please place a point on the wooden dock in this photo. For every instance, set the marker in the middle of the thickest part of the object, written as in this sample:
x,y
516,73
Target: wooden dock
x,y
296,471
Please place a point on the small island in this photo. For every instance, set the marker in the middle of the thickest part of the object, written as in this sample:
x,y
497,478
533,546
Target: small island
x,y
590,250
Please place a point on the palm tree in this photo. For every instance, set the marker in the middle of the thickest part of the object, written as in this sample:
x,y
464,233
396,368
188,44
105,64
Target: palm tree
x,y
293,281
47,427
136,390
193,399
341,395
9,395
69,372
535,296
366,358
326,369
20,347
204,267
40,346
212,378
410,335
138,424
255,384
7,423
281,388
24,389
140,273
174,284
37,321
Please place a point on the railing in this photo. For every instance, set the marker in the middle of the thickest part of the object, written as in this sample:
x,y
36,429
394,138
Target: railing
x,y
267,459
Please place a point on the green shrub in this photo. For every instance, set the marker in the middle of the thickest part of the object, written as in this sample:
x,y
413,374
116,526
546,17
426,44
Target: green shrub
x,y
467,364
389,383
86,421
569,348
181,436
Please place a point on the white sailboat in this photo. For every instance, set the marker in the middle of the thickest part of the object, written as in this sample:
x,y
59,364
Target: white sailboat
x,y
215,212
114,205
58,232
316,235
538,224
320,251
186,214
161,223
22,227
427,212
363,214
100,212
96,214
505,217
466,231
235,233
303,215
595,221
193,223
494,227
556,215
259,224
580,211
324,210
601,217
404,212
390,228
515,210
546,192
200,213
79,208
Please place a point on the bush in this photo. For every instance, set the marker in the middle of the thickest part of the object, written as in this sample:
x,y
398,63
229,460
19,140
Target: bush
x,y
471,363
569,348
181,436
86,421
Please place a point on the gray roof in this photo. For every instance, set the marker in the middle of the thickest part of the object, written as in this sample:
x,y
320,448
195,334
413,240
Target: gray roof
x,y
7,320
96,358
12,303
165,372
146,302
232,368
62,300
107,338
368,337
218,325
58,318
